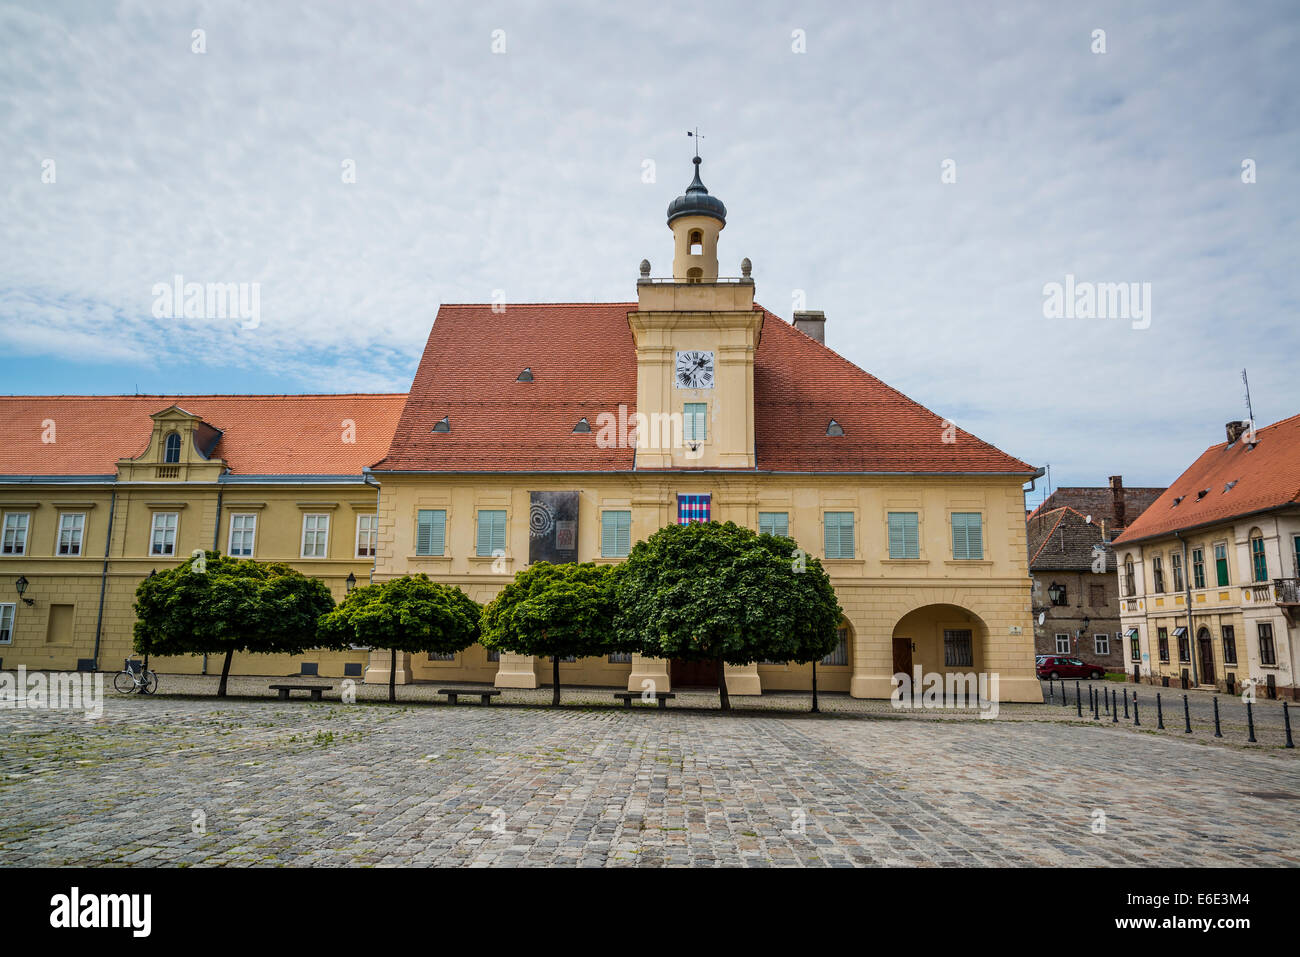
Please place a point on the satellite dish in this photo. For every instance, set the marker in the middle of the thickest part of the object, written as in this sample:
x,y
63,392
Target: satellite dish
x,y
1042,617
1088,519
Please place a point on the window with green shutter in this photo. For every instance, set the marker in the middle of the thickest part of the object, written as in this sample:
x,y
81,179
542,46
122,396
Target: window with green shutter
x,y
695,421
839,534
615,534
491,531
967,536
1221,564
430,531
774,523
1259,564
904,541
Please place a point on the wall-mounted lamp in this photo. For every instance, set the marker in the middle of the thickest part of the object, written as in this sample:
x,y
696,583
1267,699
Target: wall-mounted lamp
x,y
351,582
1056,593
21,586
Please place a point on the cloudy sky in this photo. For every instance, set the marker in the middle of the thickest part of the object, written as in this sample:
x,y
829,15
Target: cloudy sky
x,y
532,149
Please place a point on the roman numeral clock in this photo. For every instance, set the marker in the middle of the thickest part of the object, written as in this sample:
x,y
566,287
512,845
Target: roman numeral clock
x,y
694,369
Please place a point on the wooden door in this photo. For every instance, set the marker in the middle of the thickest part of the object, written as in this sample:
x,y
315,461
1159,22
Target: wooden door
x,y
1207,657
903,656
686,674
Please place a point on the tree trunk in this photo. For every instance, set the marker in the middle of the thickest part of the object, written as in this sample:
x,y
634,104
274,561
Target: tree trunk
x,y
225,673
555,681
723,699
814,707
392,674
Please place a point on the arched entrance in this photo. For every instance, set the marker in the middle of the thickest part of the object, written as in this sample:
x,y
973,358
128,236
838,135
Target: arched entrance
x,y
940,639
1205,645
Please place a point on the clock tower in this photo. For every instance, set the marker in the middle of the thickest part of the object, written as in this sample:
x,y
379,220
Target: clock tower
x,y
695,337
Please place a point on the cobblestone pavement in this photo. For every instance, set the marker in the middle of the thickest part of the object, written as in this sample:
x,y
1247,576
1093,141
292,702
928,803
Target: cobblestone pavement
x,y
303,783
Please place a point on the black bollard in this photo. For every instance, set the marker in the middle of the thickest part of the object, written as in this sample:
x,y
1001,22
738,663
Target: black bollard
x,y
1051,690
1126,704
1217,732
1187,717
1160,713
1106,698
1114,709
1250,723
1286,718
1137,719
1096,704
1078,707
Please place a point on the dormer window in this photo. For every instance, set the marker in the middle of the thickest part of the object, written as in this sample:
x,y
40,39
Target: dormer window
x,y
834,428
443,424
582,426
172,447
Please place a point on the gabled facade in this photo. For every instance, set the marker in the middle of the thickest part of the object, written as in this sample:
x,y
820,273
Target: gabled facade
x,y
1224,542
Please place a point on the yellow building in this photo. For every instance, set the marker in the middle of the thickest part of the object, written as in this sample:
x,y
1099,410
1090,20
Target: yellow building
x,y
566,432
1223,541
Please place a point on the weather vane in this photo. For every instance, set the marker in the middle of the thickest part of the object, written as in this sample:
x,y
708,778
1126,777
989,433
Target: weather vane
x,y
698,136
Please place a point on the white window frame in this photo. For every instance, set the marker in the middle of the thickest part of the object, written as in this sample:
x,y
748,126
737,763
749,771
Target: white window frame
x,y
853,532
785,515
316,531
505,532
12,608
611,549
431,553
690,421
79,529
372,520
1066,636
952,530
1097,639
902,545
154,529
6,546
251,531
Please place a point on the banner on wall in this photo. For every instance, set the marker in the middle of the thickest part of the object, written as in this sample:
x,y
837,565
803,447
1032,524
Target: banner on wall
x,y
553,527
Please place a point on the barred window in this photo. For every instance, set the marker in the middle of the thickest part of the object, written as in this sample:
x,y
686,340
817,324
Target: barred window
x,y
840,656
957,649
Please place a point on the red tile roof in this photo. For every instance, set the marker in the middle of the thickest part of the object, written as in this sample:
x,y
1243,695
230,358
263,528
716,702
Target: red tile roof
x,y
584,363
261,434
1266,477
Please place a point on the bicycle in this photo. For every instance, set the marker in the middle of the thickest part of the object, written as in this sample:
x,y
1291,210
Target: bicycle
x,y
135,677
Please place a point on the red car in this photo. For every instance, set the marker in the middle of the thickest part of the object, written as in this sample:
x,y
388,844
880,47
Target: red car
x,y
1063,666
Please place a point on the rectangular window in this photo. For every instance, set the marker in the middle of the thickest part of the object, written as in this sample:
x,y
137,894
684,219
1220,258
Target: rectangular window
x,y
491,532
695,421
621,658
315,534
1157,575
7,623
162,540
1198,568
774,523
1176,566
957,650
72,526
1267,654
693,508
615,534
430,531
243,529
839,534
1162,638
1184,644
840,656
1221,564
367,535
1258,563
904,540
435,656
1101,644
967,536
1134,646
1098,595
14,541
1229,645
1062,644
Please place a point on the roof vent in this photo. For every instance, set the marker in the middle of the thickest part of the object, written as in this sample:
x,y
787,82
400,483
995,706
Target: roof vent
x,y
1177,500
834,428
526,375
583,425
444,424
1229,486
1202,493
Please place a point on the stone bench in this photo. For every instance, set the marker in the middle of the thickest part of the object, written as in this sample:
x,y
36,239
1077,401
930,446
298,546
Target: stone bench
x,y
628,697
316,690
485,697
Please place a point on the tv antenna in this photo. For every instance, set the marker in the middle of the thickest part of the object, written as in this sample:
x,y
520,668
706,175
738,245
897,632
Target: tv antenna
x,y
1250,413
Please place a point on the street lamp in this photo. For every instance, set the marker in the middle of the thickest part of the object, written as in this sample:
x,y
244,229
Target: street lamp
x,y
1056,593
21,586
351,582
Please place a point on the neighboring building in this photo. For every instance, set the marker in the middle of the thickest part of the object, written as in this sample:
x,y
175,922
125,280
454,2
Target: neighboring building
x,y
569,431
1076,603
1224,541
98,491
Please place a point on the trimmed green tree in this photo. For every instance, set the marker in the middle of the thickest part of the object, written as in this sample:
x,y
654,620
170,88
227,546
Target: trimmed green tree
x,y
714,591
215,604
410,614
553,611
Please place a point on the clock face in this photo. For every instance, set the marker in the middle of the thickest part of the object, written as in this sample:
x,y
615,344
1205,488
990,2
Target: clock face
x,y
694,370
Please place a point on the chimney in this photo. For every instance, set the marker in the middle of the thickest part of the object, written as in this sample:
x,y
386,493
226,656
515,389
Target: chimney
x,y
812,324
1235,430
1117,499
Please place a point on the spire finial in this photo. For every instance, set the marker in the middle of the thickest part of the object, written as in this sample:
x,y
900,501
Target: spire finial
x,y
696,133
